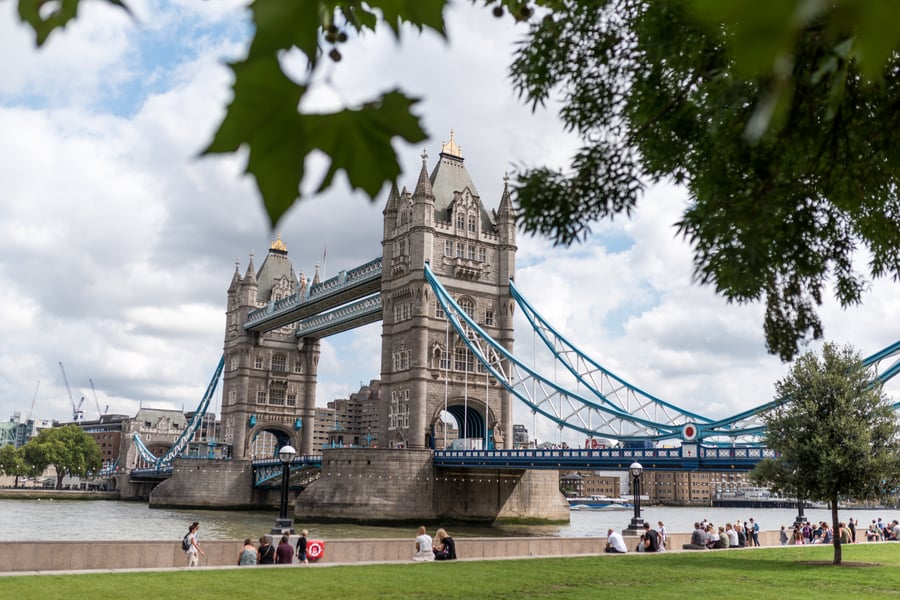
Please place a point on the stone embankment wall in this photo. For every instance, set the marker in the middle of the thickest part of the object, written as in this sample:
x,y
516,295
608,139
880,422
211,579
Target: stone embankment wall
x,y
101,555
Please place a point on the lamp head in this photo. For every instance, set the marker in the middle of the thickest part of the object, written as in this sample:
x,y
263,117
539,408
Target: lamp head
x,y
287,454
636,469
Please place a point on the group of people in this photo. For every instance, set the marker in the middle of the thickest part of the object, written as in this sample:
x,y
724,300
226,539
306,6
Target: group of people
x,y
652,540
441,548
879,531
706,536
267,554
264,554
821,533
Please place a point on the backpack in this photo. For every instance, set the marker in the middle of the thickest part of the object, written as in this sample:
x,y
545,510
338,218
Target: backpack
x,y
186,542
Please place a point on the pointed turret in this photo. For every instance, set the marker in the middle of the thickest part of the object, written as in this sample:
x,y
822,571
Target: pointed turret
x,y
250,275
315,280
393,200
236,278
423,192
505,211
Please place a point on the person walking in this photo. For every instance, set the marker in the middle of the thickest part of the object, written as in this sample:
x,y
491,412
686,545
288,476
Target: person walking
x,y
194,552
301,548
754,532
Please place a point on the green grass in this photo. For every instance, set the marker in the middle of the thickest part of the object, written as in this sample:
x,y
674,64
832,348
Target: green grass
x,y
789,573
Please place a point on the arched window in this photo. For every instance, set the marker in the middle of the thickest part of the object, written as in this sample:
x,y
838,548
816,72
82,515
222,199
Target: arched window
x,y
472,223
460,221
468,305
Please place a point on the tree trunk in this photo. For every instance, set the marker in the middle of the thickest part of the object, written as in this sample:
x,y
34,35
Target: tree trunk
x,y
60,473
836,539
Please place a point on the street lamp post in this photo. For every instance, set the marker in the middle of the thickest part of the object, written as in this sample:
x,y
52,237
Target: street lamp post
x,y
283,524
636,527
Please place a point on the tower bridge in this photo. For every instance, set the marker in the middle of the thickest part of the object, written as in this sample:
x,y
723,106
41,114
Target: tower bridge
x,y
443,290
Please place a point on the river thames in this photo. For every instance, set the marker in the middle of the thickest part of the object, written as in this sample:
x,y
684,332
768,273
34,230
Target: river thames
x,y
117,520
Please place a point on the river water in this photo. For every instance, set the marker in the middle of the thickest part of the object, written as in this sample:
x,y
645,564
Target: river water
x,y
117,520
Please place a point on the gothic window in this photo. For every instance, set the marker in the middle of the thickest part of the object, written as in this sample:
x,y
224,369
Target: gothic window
x,y
482,255
468,305
463,359
460,250
258,362
461,221
448,248
298,366
471,252
401,247
438,310
276,396
488,317
472,222
279,362
443,360
232,396
261,396
400,359
234,363
404,217
292,399
399,414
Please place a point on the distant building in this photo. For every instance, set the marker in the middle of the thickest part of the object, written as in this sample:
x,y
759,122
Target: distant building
x,y
17,431
520,437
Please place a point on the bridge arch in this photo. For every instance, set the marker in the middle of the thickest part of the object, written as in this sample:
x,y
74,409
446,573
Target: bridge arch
x,y
264,440
470,420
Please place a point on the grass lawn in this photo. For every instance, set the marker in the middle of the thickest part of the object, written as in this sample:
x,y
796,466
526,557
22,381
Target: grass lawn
x,y
869,571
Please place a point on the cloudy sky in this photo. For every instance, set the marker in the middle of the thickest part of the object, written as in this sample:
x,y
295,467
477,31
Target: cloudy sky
x,y
118,244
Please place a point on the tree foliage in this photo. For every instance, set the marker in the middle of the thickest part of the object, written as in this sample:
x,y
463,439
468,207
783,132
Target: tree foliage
x,y
69,449
12,463
779,116
837,435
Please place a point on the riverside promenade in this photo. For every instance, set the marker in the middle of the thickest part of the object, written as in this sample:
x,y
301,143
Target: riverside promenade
x,y
48,557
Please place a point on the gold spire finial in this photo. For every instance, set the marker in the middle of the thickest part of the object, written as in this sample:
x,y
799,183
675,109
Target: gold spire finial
x,y
451,148
279,245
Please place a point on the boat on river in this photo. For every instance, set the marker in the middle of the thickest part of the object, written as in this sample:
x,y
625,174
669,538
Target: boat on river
x,y
596,502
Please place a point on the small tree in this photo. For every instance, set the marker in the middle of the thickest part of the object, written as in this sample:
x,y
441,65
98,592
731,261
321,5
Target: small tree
x,y
12,463
69,449
836,434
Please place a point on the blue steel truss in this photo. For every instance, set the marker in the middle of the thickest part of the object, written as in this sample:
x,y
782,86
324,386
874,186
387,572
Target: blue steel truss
x,y
615,408
271,468
566,408
604,384
187,435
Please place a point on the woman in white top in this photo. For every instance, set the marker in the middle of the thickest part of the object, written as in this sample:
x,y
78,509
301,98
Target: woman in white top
x,y
423,546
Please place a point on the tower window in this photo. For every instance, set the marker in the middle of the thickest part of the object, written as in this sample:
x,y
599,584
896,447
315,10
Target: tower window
x,y
448,248
460,222
279,362
488,317
472,222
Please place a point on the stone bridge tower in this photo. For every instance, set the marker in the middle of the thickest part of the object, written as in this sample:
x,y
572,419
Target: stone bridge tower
x,y
425,367
269,381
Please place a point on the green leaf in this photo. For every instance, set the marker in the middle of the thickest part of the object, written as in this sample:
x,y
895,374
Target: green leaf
x,y
420,13
263,115
44,25
282,25
359,141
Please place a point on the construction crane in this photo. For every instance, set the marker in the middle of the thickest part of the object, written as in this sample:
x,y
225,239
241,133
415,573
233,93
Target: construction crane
x,y
33,399
77,413
97,402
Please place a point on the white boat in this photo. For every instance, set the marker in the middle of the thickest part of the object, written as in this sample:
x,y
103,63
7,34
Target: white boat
x,y
596,502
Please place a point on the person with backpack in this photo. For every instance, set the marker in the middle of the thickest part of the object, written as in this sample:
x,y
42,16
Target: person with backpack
x,y
191,547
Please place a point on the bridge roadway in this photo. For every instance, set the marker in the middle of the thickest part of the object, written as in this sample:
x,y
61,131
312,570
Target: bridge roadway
x,y
343,288
686,458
